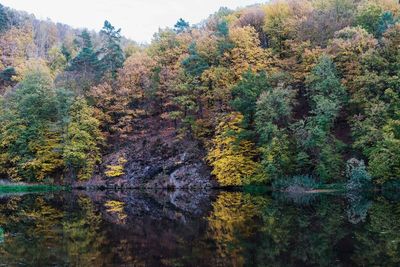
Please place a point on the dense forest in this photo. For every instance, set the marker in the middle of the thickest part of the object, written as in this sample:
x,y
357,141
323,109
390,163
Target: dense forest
x,y
292,88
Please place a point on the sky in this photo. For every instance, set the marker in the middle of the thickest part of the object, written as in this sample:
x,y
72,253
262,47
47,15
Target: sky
x,y
139,19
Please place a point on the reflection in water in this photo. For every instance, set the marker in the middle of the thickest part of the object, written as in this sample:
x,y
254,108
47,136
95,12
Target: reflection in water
x,y
184,228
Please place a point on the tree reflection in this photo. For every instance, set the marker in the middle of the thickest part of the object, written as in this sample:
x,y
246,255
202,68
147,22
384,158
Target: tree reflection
x,y
238,229
84,238
378,244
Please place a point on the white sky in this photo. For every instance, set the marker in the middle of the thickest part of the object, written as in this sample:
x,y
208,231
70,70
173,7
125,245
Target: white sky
x,y
139,19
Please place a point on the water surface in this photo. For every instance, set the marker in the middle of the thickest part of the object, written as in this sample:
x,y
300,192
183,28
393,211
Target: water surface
x,y
183,228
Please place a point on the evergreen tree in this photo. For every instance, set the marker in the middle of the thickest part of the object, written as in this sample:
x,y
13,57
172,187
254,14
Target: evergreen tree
x,y
4,21
181,25
86,61
194,64
112,55
65,51
246,93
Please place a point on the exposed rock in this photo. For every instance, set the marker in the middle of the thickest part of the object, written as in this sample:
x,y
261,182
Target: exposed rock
x,y
156,158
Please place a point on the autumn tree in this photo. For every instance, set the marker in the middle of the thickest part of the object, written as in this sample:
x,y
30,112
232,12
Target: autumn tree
x,y
30,139
246,53
119,104
232,159
81,151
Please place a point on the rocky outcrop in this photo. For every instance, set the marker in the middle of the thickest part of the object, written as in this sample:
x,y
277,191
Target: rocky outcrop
x,y
156,159
162,165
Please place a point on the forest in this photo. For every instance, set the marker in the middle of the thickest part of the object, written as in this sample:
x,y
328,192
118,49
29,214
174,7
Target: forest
x,y
287,92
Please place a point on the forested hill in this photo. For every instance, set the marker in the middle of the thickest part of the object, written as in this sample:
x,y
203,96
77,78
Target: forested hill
x,y
306,89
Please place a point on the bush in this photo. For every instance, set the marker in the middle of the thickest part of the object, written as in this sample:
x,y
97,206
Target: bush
x,y
296,183
357,174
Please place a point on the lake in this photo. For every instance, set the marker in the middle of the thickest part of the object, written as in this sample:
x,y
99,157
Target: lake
x,y
199,228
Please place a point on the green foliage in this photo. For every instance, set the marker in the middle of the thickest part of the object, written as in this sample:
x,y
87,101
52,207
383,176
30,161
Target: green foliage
x,y
112,56
246,93
273,114
375,19
39,130
81,151
30,147
273,111
86,61
181,25
384,160
194,64
4,21
369,17
296,183
357,175
314,135
6,76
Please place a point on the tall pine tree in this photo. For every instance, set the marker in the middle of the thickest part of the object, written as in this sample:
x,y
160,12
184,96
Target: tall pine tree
x,y
112,55
86,60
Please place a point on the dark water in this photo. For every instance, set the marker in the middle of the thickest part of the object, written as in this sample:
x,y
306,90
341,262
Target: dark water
x,y
198,229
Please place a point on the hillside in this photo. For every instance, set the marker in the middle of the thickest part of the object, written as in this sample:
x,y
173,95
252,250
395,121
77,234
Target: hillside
x,y
306,89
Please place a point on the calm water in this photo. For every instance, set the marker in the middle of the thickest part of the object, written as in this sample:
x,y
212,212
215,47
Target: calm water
x,y
198,229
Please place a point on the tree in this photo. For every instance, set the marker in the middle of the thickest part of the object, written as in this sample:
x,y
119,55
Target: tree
x,y
181,26
246,93
4,22
16,47
30,138
348,46
254,17
119,104
81,151
194,64
324,19
246,53
374,19
368,17
232,159
276,24
57,60
327,97
7,78
272,118
86,61
112,56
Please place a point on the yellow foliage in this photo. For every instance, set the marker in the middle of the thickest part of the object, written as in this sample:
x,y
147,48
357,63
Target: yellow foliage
x,y
232,160
16,46
117,207
277,23
116,170
247,53
48,156
231,215
30,66
221,79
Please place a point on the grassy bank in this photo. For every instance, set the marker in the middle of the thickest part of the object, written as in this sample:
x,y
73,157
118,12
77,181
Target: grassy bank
x,y
13,188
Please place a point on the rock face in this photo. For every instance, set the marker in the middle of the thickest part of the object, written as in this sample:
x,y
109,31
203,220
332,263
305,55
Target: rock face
x,y
156,159
162,165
